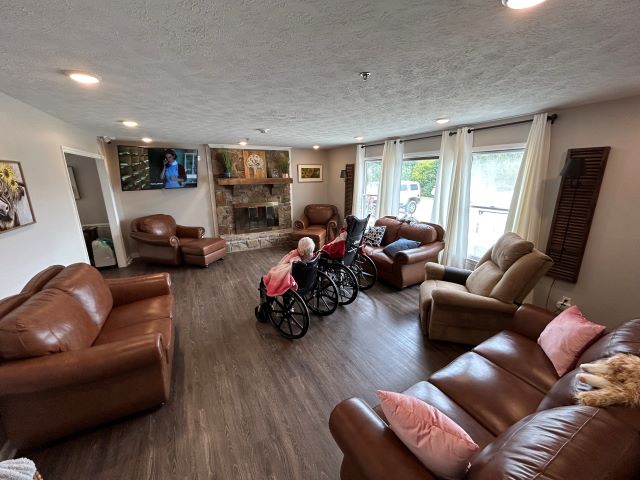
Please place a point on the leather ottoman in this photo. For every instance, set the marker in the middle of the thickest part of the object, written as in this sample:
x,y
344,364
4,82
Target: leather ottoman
x,y
204,251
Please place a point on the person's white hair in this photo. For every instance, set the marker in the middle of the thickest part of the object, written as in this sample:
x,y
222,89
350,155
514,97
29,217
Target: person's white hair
x,y
306,247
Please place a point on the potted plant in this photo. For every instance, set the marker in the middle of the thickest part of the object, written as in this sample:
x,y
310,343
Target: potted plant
x,y
227,163
283,165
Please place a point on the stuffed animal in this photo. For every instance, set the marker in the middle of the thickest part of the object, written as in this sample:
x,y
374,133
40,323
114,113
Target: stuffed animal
x,y
614,381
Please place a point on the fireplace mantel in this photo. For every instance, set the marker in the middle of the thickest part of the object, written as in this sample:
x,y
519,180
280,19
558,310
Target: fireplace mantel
x,y
253,181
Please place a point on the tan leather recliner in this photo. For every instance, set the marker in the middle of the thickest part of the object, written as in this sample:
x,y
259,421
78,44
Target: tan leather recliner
x,y
470,306
161,240
77,351
319,222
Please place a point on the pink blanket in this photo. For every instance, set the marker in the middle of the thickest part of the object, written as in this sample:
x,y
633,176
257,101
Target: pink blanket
x,y
279,279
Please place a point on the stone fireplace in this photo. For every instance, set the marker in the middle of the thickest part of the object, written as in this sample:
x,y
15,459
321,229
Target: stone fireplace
x,y
252,212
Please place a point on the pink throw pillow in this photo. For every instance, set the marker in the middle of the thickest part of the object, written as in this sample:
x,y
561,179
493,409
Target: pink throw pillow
x,y
566,337
439,442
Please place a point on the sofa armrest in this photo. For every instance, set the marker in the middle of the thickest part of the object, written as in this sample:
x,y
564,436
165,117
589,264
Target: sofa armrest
x,y
466,300
371,445
157,240
189,232
423,253
79,367
529,321
301,223
332,228
132,289
435,271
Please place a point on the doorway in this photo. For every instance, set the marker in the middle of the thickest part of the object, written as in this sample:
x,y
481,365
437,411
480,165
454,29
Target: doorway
x,y
95,207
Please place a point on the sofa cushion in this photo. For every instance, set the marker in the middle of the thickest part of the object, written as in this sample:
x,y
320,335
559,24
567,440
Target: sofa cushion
x,y
429,393
85,284
566,337
161,225
41,278
164,326
563,443
624,339
400,245
493,396
391,232
141,311
484,278
320,214
50,321
509,248
418,231
438,442
10,303
521,357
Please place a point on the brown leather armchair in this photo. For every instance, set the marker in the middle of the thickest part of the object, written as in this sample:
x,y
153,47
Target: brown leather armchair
x,y
161,240
319,222
507,396
78,351
467,306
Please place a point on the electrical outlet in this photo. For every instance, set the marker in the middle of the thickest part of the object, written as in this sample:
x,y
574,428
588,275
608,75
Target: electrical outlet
x,y
563,303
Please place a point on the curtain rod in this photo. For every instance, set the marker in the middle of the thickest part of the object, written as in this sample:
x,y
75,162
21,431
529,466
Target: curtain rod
x,y
551,118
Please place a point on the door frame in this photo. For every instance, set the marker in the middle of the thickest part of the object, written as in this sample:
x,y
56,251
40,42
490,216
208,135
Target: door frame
x,y
109,200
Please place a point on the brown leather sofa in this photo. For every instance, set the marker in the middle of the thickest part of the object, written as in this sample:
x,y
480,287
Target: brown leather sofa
x,y
161,240
506,395
319,222
77,351
407,267
467,306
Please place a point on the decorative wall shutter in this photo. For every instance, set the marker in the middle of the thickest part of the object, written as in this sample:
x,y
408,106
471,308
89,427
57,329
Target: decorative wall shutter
x,y
575,207
348,189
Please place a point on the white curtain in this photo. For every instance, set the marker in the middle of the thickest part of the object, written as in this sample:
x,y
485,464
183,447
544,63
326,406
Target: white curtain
x,y
358,182
451,202
389,198
525,212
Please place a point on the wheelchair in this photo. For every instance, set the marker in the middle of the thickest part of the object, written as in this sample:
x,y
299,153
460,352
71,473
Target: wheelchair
x,y
289,313
355,271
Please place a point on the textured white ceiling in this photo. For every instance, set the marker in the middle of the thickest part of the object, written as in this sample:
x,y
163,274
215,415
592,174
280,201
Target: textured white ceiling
x,y
213,71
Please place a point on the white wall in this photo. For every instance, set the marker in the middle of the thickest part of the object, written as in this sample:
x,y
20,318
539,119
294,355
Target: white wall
x,y
303,194
34,138
90,205
189,206
609,279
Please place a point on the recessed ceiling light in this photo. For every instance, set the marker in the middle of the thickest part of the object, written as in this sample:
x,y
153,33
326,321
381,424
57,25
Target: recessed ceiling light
x,y
520,4
243,142
147,140
359,139
442,121
84,78
129,123
316,147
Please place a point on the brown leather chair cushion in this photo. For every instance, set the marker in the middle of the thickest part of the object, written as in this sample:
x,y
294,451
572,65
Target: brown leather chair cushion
x,y
203,246
162,225
556,444
141,311
508,349
48,322
12,302
39,280
494,397
420,232
624,339
320,214
392,230
85,284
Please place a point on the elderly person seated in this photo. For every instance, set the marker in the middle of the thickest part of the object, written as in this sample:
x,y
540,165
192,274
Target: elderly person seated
x,y
279,279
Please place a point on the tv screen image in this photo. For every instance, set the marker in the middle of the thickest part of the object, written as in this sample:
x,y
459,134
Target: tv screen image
x,y
143,168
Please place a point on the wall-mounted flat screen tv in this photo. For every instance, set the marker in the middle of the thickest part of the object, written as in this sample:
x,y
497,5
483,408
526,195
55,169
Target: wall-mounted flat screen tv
x,y
143,168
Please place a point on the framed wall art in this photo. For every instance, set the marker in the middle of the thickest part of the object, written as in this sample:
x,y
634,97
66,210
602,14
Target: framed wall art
x,y
309,173
15,204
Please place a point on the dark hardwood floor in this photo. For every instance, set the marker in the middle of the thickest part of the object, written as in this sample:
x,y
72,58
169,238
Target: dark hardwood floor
x,y
246,403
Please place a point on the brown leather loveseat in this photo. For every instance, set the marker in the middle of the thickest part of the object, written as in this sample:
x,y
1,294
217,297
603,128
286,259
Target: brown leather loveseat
x,y
407,267
319,222
77,351
506,395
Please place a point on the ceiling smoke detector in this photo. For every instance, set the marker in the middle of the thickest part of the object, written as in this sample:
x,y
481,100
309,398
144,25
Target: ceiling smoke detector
x,y
365,75
263,130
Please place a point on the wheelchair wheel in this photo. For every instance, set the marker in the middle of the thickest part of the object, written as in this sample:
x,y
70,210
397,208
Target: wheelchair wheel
x,y
346,282
323,299
289,315
366,271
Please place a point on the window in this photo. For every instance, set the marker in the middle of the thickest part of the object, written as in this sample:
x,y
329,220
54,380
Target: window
x,y
493,178
372,173
417,187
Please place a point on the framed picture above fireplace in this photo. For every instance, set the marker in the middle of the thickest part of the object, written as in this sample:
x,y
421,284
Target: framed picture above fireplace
x,y
310,173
